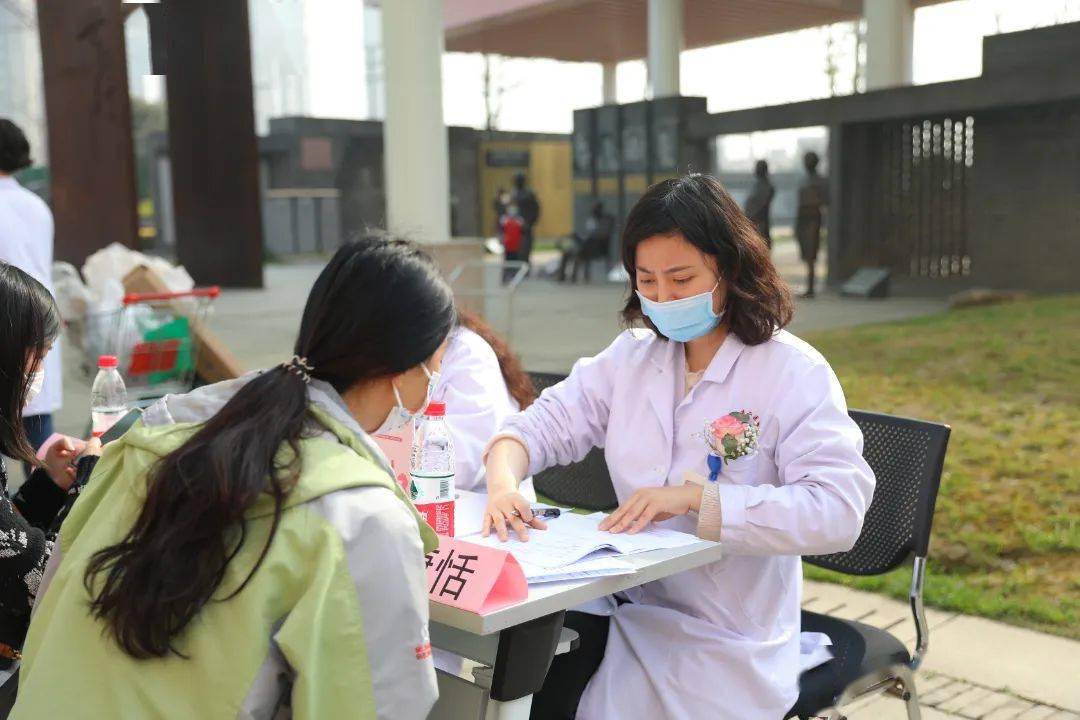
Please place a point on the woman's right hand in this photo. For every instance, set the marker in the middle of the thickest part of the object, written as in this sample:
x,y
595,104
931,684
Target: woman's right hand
x,y
510,508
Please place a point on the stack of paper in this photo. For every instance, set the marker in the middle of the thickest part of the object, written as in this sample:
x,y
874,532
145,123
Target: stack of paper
x,y
573,546
570,538
593,567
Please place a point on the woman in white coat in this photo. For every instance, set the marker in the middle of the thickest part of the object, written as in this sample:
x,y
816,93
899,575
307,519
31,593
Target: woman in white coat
x,y
722,640
482,384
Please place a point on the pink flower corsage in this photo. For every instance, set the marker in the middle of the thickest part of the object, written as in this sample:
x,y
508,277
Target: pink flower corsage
x,y
730,437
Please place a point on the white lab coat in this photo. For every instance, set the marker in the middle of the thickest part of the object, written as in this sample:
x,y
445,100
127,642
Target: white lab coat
x,y
26,241
477,402
721,641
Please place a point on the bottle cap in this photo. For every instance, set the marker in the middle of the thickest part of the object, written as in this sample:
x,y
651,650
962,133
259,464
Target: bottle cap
x,y
436,409
107,361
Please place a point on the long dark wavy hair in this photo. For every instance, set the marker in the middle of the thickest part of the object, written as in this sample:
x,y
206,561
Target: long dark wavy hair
x,y
697,206
517,380
29,324
379,308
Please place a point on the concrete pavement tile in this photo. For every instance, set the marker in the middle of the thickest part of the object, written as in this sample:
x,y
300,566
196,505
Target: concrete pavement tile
x,y
926,683
869,608
962,700
990,702
1010,710
944,693
1039,712
884,707
1064,715
1030,664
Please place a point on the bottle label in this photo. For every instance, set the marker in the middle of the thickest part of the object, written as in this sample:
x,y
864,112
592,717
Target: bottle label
x,y
439,515
430,487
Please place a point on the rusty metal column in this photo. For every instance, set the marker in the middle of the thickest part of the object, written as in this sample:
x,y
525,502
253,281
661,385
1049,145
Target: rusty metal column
x,y
212,145
91,159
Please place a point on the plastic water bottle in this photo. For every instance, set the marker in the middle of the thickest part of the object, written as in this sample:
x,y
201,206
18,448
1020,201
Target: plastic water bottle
x,y
108,396
432,471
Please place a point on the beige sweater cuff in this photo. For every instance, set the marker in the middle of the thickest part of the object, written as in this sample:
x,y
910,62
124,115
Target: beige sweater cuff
x,y
709,517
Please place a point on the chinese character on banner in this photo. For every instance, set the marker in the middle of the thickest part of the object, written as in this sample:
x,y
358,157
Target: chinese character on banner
x,y
441,564
472,577
459,577
450,577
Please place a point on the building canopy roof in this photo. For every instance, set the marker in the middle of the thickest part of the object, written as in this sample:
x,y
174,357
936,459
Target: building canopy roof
x,y
615,30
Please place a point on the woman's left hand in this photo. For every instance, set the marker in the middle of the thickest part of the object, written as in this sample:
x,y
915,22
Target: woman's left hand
x,y
91,449
653,504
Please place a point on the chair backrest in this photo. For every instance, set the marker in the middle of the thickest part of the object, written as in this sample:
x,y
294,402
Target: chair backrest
x,y
584,484
906,457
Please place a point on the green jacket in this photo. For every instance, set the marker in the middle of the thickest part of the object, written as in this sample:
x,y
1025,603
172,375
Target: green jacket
x,y
334,621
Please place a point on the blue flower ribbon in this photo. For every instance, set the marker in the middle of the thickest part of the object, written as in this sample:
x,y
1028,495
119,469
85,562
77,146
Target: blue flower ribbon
x,y
716,464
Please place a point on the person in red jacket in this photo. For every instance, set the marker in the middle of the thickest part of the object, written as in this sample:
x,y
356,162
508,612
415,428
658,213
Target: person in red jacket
x,y
512,226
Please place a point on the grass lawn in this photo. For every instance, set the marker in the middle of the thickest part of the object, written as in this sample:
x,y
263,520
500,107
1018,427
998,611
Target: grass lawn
x,y
1006,539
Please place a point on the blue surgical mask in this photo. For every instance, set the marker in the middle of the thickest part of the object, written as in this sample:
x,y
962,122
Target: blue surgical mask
x,y
683,320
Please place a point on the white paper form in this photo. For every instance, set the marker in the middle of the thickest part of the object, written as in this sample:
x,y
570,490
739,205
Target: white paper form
x,y
570,538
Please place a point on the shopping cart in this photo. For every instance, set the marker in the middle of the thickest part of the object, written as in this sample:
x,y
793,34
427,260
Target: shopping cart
x,y
155,337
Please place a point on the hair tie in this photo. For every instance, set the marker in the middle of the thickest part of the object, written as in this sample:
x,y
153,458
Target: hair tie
x,y
299,367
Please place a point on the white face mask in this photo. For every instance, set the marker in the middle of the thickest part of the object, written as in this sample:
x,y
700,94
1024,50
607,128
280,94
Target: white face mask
x,y
37,382
399,415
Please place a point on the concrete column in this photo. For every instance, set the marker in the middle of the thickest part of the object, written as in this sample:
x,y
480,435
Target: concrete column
x,y
610,90
213,151
414,137
665,44
834,213
889,25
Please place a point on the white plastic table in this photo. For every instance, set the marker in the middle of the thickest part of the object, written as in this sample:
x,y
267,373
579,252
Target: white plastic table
x,y
511,641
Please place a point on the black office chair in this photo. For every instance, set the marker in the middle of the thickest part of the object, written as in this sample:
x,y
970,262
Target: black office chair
x,y
584,484
907,457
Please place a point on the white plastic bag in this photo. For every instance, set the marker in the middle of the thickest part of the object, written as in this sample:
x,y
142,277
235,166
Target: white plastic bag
x,y
72,296
106,269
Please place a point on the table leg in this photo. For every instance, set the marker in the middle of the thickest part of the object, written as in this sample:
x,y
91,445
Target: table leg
x,y
516,660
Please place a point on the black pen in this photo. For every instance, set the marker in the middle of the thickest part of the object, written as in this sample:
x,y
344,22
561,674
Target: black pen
x,y
542,512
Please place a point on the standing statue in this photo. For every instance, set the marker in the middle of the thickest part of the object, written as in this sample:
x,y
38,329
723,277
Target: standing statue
x,y
813,197
759,202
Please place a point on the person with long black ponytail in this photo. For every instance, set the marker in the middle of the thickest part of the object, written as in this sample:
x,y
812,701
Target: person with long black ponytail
x,y
244,551
29,325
